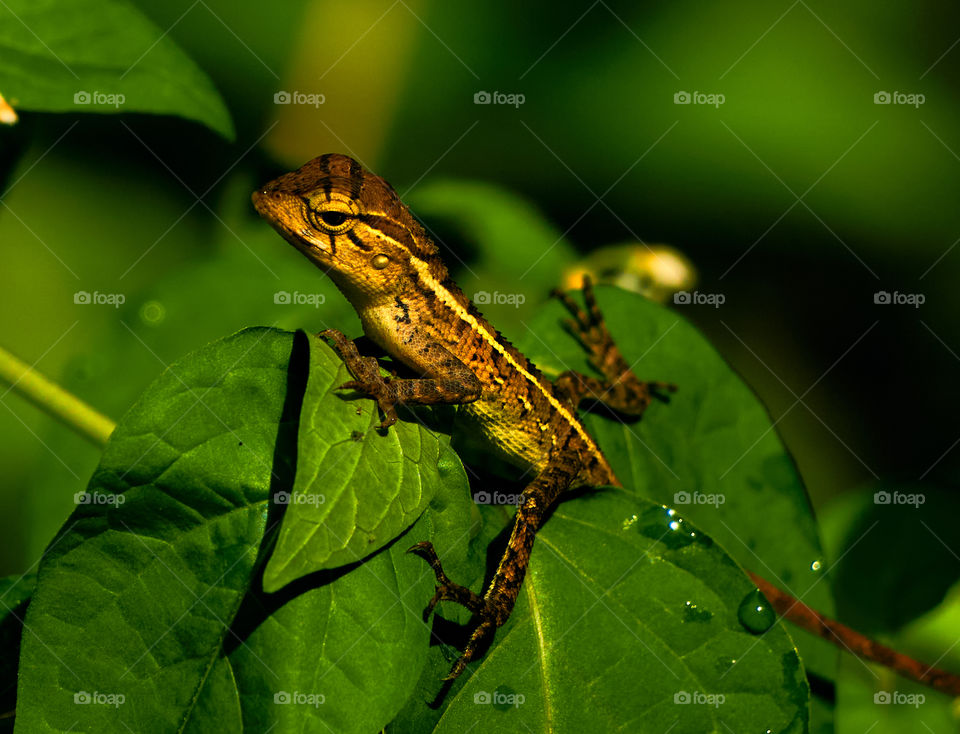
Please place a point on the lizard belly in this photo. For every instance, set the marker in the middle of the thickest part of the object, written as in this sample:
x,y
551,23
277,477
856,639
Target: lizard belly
x,y
506,434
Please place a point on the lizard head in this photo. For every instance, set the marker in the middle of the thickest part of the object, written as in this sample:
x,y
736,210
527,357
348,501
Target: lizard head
x,y
350,223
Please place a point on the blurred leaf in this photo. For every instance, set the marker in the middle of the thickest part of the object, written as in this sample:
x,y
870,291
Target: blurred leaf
x,y
897,546
356,488
712,452
504,253
100,56
885,581
870,698
621,618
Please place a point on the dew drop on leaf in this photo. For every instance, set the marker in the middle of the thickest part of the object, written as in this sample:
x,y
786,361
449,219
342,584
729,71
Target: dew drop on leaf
x,y
505,698
755,612
695,613
665,525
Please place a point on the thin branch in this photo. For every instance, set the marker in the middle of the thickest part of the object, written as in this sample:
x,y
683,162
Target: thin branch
x,y
795,611
53,399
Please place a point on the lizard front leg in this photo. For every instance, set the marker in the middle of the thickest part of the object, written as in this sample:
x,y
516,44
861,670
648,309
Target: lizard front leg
x,y
448,380
495,606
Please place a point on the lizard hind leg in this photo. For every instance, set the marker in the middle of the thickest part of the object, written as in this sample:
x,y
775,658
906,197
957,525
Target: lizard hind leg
x,y
620,389
493,609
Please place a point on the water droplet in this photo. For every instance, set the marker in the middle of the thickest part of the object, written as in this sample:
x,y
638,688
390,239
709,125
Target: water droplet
x,y
724,664
153,313
665,525
755,612
446,464
505,698
694,613
628,523
816,566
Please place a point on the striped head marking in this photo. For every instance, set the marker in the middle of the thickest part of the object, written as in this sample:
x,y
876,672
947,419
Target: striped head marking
x,y
349,222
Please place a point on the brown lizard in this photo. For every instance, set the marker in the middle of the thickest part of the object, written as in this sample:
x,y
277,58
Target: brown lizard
x,y
352,224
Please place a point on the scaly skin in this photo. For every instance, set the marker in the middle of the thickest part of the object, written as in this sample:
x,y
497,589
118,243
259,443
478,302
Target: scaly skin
x,y
353,225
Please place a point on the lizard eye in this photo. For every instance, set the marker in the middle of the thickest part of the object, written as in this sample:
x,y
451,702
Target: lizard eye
x,y
332,220
380,262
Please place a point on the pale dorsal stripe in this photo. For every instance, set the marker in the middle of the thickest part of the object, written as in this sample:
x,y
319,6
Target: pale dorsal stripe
x,y
447,298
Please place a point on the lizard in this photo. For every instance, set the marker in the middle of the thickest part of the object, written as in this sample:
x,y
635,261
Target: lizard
x,y
352,224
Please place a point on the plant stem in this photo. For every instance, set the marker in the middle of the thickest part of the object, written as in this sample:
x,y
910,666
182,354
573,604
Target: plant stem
x,y
795,611
50,397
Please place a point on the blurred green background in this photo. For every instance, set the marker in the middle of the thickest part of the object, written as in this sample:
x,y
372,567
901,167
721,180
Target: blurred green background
x,y
798,198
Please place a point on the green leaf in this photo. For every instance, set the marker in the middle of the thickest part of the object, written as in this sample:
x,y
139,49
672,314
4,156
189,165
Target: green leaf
x,y
713,441
356,487
135,595
356,644
100,56
622,619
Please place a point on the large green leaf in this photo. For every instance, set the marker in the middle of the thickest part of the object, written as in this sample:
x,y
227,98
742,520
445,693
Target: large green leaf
x,y
629,621
100,56
135,595
155,597
712,452
359,642
356,487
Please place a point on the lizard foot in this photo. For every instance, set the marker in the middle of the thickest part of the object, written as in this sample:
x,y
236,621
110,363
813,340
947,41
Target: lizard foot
x,y
447,590
589,328
366,374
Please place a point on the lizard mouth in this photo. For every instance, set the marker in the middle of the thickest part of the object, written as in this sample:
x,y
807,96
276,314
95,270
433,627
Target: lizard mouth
x,y
284,212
